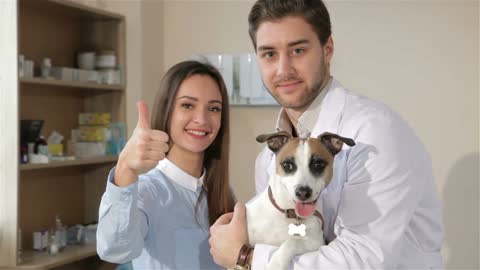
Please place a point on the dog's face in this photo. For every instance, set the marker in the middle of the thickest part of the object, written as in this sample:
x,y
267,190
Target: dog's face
x,y
304,166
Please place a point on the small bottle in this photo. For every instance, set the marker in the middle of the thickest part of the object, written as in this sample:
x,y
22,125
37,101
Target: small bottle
x,y
24,154
46,67
21,66
53,245
41,146
60,233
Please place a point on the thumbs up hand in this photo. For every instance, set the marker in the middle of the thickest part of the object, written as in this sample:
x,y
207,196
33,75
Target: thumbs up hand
x,y
227,236
145,148
142,115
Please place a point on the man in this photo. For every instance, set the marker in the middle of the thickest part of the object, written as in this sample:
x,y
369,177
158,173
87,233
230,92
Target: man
x,y
380,209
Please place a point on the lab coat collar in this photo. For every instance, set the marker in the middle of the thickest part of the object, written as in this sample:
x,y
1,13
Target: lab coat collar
x,y
331,110
330,115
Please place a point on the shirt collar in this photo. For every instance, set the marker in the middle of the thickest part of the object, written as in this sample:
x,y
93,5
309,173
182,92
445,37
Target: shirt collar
x,y
179,176
308,119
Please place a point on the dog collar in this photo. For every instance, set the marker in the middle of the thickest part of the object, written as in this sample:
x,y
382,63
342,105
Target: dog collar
x,y
290,213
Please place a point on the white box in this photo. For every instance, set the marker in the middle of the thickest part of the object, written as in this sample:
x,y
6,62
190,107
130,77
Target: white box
x,y
62,73
28,69
88,75
40,240
110,76
89,149
37,241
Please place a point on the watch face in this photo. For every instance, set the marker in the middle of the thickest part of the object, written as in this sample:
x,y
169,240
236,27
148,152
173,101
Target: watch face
x,y
239,267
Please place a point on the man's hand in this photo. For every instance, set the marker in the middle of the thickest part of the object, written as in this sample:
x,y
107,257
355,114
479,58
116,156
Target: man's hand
x,y
227,236
143,150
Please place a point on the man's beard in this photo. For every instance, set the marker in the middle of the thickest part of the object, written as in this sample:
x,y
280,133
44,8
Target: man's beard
x,y
308,94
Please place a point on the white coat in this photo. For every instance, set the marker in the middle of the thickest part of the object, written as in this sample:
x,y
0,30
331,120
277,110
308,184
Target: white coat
x,y
381,210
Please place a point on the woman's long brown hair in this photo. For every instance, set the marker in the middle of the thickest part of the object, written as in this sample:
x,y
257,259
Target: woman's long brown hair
x,y
220,198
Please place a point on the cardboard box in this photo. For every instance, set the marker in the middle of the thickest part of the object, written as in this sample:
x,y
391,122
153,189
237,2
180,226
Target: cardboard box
x,y
94,119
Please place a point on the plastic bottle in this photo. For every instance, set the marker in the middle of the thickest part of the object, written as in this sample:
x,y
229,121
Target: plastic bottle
x,y
60,233
46,67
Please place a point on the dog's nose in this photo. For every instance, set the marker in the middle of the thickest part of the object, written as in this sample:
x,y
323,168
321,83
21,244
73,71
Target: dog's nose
x,y
303,192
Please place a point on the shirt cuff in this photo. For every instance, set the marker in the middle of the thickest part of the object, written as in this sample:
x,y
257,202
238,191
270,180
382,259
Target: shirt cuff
x,y
261,256
118,194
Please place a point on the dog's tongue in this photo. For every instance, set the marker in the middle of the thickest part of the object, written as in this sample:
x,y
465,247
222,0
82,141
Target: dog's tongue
x,y
304,209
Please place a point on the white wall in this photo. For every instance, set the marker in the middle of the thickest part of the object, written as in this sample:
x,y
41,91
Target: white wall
x,y
152,49
420,57
220,26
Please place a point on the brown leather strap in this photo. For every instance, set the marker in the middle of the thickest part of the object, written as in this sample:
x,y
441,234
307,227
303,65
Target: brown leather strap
x,y
290,213
318,215
243,255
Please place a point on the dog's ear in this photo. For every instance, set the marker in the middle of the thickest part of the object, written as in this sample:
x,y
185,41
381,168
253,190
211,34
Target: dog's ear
x,y
275,141
334,142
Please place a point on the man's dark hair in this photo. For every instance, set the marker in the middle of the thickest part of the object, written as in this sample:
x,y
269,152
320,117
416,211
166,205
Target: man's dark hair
x,y
313,11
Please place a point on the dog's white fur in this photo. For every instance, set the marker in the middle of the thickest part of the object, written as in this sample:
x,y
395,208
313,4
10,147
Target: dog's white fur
x,y
267,225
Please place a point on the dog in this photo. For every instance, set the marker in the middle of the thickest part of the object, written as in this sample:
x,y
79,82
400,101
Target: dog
x,y
285,214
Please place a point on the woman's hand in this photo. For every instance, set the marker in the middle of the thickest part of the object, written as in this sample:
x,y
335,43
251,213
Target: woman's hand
x,y
145,148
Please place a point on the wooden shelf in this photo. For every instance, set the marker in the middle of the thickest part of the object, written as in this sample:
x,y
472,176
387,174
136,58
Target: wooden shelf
x,y
72,84
77,162
36,193
42,260
83,10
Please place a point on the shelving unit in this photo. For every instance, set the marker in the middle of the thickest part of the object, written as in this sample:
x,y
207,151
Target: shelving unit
x,y
39,260
72,189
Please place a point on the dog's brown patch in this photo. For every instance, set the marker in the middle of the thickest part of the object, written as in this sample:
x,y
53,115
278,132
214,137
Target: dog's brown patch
x,y
288,150
318,148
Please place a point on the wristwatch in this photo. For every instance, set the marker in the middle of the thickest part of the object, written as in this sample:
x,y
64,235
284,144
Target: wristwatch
x,y
242,260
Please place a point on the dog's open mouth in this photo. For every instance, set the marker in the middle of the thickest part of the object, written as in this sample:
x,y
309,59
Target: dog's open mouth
x,y
305,209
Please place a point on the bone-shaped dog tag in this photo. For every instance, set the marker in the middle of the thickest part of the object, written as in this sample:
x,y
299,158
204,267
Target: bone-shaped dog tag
x,y
294,229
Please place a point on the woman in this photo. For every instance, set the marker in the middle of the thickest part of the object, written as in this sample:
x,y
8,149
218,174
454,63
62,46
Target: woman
x,y
161,219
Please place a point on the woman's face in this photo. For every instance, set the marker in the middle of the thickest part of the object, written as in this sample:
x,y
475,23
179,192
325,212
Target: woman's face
x,y
196,116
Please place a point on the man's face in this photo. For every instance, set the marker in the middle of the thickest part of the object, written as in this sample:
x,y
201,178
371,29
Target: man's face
x,y
293,63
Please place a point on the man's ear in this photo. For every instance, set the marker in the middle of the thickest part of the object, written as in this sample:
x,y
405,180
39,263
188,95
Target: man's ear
x,y
334,142
275,141
328,48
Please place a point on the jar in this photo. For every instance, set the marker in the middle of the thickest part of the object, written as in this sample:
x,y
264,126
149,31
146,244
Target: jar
x,y
86,60
106,60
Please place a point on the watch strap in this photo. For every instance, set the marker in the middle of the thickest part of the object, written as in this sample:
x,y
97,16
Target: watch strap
x,y
243,255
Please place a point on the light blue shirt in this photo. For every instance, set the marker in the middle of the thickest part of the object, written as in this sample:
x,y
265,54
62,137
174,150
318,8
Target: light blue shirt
x,y
152,221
